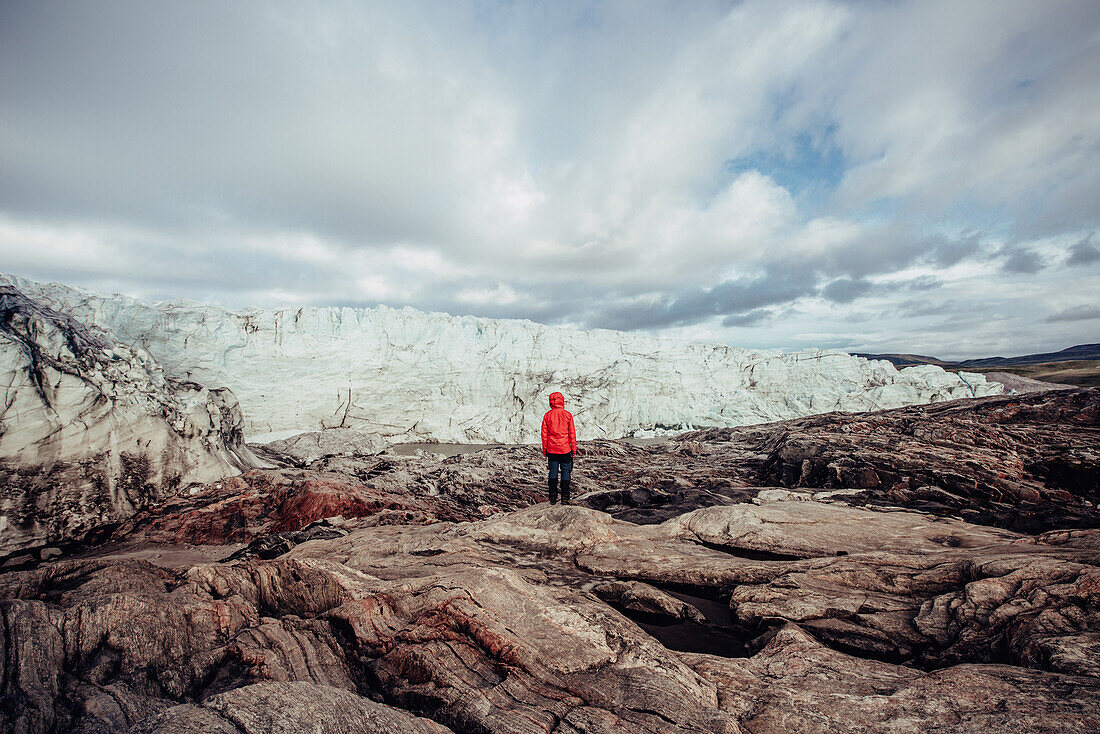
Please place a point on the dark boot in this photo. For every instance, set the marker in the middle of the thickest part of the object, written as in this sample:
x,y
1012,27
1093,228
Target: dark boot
x,y
565,491
553,484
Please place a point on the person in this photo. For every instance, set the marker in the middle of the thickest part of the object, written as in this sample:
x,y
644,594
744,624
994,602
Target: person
x,y
559,443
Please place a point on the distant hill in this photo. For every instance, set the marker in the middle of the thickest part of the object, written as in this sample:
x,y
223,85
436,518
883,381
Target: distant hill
x,y
1081,351
1078,365
903,360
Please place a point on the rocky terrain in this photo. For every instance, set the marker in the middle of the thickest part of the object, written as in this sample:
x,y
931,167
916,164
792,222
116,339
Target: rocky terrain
x,y
930,568
404,375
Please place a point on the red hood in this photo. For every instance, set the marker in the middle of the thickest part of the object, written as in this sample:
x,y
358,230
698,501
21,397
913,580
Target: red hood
x,y
557,400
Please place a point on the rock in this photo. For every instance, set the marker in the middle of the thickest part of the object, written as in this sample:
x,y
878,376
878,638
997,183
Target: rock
x,y
92,431
646,600
645,485
1080,538
405,375
797,684
801,529
186,719
1041,612
305,448
273,545
287,707
765,496
551,617
1025,463
259,503
380,489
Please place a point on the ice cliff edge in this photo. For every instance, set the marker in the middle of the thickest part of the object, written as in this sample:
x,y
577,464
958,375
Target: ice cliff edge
x,y
409,375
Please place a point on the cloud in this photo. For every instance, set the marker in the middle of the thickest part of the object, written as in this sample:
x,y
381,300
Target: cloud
x,y
733,297
997,112
846,290
1083,253
754,317
946,252
676,169
1077,313
923,283
1022,261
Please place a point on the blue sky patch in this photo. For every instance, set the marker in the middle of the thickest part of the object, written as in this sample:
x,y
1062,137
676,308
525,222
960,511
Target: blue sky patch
x,y
810,168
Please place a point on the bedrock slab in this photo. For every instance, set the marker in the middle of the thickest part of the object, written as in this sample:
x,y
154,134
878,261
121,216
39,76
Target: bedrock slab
x,y
796,684
277,707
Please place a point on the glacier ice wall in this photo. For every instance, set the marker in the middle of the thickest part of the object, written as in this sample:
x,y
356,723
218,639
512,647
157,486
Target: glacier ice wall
x,y
92,431
414,376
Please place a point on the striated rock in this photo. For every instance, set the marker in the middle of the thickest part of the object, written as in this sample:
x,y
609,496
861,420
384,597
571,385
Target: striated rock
x,y
647,602
799,529
297,707
565,619
634,483
795,684
1027,463
276,544
92,431
1078,538
644,485
1042,612
257,504
381,489
407,376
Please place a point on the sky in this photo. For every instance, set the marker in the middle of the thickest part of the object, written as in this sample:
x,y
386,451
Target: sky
x,y
894,176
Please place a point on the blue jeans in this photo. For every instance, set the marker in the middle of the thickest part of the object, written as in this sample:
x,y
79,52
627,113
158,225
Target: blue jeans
x,y
562,463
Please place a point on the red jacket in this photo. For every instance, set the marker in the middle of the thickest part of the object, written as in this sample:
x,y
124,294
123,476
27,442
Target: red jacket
x,y
558,434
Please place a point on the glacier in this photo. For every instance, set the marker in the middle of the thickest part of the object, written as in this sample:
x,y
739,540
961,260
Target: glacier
x,y
406,375
92,431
